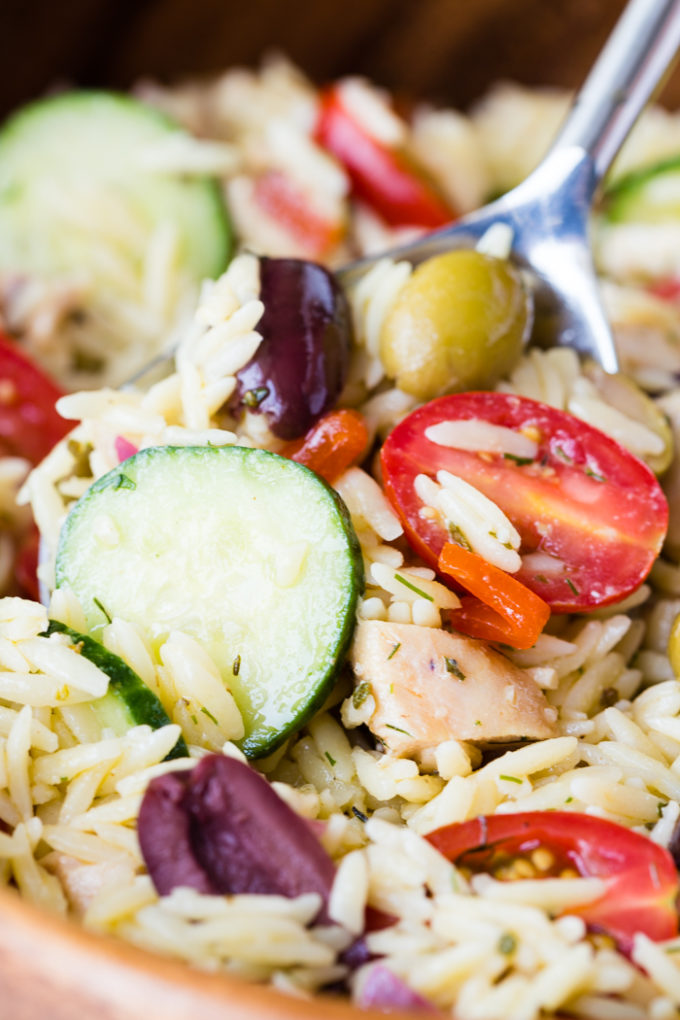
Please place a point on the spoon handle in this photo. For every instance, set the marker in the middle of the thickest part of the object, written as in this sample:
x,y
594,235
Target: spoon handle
x,y
638,54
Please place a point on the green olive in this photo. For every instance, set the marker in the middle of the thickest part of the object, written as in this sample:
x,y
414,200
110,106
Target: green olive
x,y
458,323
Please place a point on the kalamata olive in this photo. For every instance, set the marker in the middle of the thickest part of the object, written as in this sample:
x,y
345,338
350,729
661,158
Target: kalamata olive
x,y
222,828
300,367
163,829
458,323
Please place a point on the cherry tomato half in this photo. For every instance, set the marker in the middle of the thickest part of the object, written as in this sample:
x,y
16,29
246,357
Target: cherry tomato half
x,y
29,428
29,424
667,288
640,876
591,516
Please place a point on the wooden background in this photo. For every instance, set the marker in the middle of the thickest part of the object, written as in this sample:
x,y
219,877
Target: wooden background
x,y
446,49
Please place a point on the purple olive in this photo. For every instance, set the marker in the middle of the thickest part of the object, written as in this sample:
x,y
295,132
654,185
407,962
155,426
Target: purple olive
x,y
300,367
221,828
163,828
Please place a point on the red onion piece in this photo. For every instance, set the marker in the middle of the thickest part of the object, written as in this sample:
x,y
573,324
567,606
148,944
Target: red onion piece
x,y
384,991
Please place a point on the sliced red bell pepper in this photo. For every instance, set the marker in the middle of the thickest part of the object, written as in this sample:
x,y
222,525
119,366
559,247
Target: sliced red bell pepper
x,y
290,208
501,607
384,178
333,444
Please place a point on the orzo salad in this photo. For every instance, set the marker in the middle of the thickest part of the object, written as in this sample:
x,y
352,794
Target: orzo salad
x,y
351,663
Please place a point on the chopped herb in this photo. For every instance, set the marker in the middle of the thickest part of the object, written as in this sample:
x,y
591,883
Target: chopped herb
x,y
594,474
453,667
253,398
507,943
518,460
398,729
541,577
478,722
563,455
457,536
81,458
330,758
572,586
395,649
236,665
609,697
412,587
63,779
210,716
511,779
568,800
359,814
101,609
360,694
194,719
83,361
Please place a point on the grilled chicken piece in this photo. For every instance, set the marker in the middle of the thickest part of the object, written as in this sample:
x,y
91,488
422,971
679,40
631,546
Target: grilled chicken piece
x,y
430,685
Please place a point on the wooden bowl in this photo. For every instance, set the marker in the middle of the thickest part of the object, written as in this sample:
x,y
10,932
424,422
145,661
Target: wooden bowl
x,y
445,49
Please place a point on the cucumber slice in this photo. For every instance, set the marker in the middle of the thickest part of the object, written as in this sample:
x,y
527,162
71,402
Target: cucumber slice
x,y
75,195
248,552
649,194
128,701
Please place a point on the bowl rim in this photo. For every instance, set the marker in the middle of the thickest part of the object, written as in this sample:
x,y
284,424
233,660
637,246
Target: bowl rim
x,y
44,955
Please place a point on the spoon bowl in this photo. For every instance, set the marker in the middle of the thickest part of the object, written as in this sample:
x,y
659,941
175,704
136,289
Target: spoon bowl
x,y
548,213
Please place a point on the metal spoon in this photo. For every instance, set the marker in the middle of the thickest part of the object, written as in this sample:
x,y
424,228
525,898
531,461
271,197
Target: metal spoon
x,y
548,213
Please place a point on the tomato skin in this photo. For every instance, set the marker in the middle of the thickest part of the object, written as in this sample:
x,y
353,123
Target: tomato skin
x,y
640,876
29,428
595,513
286,203
668,288
29,423
334,443
382,177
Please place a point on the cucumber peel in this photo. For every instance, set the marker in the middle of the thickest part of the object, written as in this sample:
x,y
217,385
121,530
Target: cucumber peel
x,y
649,194
77,198
128,701
249,553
